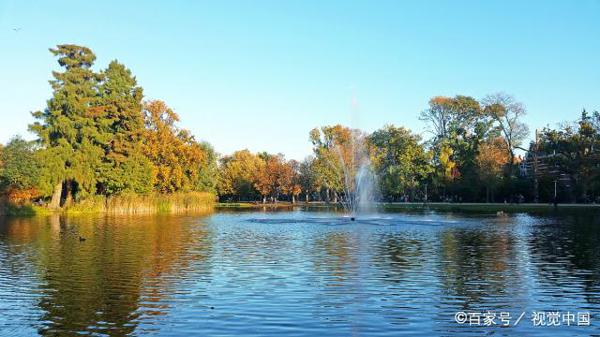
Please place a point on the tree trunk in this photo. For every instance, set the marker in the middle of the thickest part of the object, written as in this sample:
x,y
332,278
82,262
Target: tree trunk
x,y
327,196
307,198
264,199
55,201
69,194
293,199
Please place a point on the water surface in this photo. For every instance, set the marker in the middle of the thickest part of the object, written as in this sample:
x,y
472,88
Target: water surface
x,y
295,274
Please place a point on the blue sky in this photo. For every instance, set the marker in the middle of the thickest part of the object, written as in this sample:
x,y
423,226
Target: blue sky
x,y
261,74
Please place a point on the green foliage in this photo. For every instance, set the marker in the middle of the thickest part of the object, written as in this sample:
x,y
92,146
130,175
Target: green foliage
x,y
401,161
96,137
239,174
208,174
307,177
133,174
334,149
574,152
69,126
20,168
123,168
98,144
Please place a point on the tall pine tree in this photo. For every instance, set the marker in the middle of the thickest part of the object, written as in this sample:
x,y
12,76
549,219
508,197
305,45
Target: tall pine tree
x,y
68,127
120,101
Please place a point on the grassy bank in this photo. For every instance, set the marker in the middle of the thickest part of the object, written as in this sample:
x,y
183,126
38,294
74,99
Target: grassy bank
x,y
189,202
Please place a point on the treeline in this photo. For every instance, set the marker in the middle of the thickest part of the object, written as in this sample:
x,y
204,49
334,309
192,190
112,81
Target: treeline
x,y
472,156
99,138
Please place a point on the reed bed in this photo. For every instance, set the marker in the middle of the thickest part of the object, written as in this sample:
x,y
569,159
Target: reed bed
x,y
188,202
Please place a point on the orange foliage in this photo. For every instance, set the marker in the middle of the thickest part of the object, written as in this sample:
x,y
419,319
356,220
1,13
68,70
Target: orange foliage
x,y
491,159
176,156
21,196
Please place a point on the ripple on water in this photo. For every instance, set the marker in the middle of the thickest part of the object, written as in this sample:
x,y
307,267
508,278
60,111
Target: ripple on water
x,y
293,274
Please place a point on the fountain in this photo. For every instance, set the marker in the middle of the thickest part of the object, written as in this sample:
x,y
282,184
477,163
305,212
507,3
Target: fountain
x,y
358,178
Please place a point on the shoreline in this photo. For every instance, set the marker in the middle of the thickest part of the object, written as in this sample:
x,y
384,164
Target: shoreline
x,y
465,206
191,207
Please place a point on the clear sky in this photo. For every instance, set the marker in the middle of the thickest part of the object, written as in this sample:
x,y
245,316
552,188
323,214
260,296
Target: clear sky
x,y
261,74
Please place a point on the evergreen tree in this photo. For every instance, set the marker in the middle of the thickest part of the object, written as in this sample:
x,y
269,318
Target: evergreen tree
x,y
68,127
125,169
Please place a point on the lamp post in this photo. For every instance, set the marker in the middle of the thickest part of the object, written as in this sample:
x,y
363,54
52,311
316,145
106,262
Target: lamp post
x,y
555,194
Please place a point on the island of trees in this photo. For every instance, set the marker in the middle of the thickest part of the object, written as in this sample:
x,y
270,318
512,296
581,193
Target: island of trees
x,y
101,145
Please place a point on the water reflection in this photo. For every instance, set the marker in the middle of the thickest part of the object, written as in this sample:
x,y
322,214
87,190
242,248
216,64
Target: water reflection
x,y
124,270
475,264
292,273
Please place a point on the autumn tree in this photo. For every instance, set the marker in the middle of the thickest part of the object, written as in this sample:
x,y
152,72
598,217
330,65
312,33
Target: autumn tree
x,y
491,160
339,152
265,179
277,177
448,117
458,125
176,157
293,181
507,114
238,173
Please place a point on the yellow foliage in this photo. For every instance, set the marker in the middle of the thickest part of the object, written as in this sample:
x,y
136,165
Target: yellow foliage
x,y
175,154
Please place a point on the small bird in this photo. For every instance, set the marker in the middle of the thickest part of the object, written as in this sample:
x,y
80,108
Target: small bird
x,y
81,239
16,29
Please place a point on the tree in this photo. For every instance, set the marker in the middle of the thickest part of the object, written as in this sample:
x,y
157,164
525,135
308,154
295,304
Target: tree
x,y
120,102
401,161
449,116
439,116
19,170
507,113
208,174
176,157
277,177
491,160
265,179
574,153
68,127
307,177
339,153
459,126
293,182
238,173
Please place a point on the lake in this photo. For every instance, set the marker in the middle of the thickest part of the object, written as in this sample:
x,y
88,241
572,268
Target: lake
x,y
301,273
